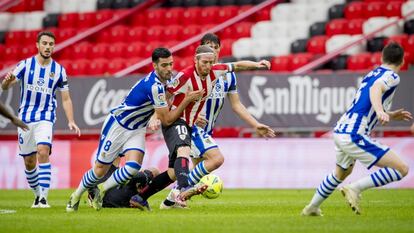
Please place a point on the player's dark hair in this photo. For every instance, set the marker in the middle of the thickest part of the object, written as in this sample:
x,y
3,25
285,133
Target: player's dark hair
x,y
160,53
393,54
210,37
204,49
45,33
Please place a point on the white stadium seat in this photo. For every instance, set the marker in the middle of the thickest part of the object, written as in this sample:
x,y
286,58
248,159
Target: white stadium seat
x,y
242,48
69,6
406,8
280,46
261,47
359,48
281,12
17,22
336,42
279,29
34,20
87,6
374,23
317,13
52,6
298,30
5,19
262,29
298,12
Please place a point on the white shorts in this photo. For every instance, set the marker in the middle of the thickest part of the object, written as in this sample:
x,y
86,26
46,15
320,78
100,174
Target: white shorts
x,y
351,147
116,140
200,142
39,133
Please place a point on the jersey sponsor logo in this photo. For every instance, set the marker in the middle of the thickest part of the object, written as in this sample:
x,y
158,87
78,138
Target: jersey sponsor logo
x,y
37,88
41,81
161,97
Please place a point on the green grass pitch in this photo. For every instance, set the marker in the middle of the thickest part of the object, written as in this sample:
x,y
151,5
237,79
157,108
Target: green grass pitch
x,y
252,210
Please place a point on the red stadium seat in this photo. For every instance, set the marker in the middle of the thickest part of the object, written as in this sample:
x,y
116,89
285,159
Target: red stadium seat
x,y
263,15
12,53
174,15
393,8
300,59
182,63
355,10
227,12
373,9
69,20
97,67
246,8
227,33
375,59
14,37
410,45
171,32
148,48
80,67
155,17
134,49
136,34
82,50
354,26
190,31
2,48
316,44
86,20
188,51
118,33
65,33
242,29
401,39
191,16
209,15
281,63
155,33
359,62
33,5
99,50
29,37
117,50
116,65
226,46
28,51
103,15
335,27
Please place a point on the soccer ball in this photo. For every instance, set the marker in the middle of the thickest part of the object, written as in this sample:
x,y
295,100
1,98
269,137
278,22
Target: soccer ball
x,y
215,186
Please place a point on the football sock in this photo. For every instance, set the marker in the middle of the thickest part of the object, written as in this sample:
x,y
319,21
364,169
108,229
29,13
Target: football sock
x,y
33,180
379,178
89,180
197,173
122,175
158,183
325,189
45,173
181,172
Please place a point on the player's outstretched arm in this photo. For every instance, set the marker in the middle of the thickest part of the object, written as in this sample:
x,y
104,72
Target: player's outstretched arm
x,y
375,96
168,117
238,107
8,81
400,115
251,65
16,121
68,108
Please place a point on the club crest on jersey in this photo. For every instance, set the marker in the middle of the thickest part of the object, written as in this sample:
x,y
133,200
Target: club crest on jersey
x,y
175,83
52,74
161,97
41,81
182,136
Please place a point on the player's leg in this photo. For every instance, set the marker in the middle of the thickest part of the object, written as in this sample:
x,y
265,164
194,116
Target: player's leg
x,y
328,185
27,149
43,133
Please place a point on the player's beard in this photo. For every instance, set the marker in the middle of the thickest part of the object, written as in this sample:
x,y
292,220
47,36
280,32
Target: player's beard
x,y
46,57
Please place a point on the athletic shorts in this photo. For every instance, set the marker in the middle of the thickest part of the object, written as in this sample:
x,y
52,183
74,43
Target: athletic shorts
x,y
176,135
351,147
116,140
201,142
39,133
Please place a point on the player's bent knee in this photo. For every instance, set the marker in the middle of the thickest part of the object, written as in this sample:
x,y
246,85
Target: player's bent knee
x,y
404,169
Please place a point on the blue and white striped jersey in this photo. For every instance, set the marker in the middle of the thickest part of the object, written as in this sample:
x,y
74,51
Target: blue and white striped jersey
x,y
361,118
138,107
215,100
38,86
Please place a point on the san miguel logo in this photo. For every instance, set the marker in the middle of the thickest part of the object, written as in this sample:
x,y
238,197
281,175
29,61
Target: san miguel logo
x,y
100,101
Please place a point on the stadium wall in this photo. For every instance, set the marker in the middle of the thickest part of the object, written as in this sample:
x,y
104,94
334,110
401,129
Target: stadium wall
x,y
249,163
286,102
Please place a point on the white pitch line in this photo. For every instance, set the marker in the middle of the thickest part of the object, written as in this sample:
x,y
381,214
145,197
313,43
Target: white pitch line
x,y
3,211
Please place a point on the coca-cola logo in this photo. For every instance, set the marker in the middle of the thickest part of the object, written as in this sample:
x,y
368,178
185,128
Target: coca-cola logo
x,y
100,101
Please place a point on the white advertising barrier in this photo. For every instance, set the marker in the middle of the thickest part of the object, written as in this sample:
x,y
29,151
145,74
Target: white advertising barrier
x,y
249,163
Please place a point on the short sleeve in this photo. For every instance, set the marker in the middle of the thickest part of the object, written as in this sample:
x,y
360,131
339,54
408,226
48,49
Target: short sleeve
x,y
19,70
390,80
231,78
221,69
63,84
178,84
158,96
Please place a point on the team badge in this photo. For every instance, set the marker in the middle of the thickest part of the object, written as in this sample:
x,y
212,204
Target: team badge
x,y
40,82
52,74
175,83
182,136
161,97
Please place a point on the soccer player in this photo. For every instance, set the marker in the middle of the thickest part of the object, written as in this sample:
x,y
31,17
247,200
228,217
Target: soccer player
x,y
39,77
351,136
15,120
205,153
202,76
123,132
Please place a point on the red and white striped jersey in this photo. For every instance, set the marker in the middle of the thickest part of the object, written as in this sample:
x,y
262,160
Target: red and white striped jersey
x,y
188,80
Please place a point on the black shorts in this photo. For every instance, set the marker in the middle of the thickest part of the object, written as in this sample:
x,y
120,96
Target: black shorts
x,y
176,135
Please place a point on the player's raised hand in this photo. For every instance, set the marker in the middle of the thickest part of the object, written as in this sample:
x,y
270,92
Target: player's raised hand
x,y
73,127
194,95
383,118
265,131
9,77
400,115
263,65
17,122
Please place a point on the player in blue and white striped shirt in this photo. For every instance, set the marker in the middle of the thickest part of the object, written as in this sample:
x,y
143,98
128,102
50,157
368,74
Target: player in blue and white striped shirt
x,y
39,78
123,132
205,153
351,135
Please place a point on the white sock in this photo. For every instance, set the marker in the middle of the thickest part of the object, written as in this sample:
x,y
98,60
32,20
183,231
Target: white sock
x,y
89,180
379,178
197,173
325,189
33,180
122,175
45,174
